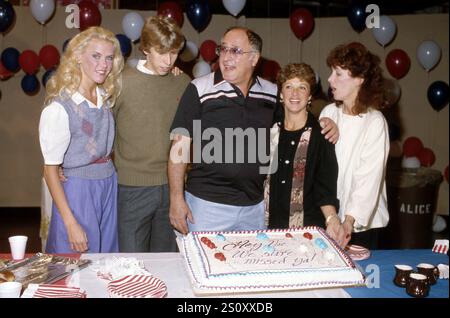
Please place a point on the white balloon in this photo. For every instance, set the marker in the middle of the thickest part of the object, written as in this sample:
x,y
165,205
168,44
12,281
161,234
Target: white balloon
x,y
201,68
439,224
190,52
42,10
428,54
132,24
386,32
133,62
234,6
411,162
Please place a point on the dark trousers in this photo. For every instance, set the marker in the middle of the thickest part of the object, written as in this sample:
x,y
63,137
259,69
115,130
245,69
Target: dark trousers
x,y
368,239
143,220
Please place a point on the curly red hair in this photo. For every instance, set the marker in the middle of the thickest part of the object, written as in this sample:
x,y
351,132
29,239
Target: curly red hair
x,y
363,64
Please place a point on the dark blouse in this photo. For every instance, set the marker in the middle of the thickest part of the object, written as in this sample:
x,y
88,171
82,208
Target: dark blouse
x,y
320,183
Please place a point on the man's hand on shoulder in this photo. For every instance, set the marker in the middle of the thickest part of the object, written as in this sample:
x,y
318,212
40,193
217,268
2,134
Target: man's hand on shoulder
x,y
329,129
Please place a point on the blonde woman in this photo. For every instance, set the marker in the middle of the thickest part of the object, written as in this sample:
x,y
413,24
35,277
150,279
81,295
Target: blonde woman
x,y
76,132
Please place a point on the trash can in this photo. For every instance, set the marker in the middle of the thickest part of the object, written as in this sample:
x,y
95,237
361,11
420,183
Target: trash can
x,y
412,199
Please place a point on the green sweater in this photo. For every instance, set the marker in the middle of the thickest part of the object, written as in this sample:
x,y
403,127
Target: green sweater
x,y
144,112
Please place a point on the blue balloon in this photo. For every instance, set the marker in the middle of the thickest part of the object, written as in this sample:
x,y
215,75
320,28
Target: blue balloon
x,y
125,44
47,76
198,13
10,59
357,15
30,84
438,95
7,15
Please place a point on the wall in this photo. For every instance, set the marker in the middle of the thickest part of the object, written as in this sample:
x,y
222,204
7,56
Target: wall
x,y
20,158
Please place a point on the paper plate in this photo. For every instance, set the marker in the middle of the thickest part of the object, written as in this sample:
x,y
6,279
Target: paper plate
x,y
137,286
357,253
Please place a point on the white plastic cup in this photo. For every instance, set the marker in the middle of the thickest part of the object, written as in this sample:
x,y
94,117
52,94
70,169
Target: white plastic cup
x,y
10,290
18,244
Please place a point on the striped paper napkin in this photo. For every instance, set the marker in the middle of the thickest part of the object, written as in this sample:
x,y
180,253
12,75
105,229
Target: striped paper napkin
x,y
440,246
53,291
137,286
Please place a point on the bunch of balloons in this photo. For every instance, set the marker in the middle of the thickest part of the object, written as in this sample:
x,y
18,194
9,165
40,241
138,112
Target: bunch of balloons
x,y
29,61
416,155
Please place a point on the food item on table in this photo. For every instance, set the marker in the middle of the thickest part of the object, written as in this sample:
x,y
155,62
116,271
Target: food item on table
x,y
7,276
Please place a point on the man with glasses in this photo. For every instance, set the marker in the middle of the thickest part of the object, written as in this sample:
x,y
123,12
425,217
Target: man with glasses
x,y
223,194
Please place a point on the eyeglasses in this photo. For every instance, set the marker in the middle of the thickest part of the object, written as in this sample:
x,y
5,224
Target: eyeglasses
x,y
234,51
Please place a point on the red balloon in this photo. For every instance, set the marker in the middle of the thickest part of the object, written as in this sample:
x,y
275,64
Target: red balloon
x,y
270,70
208,50
412,146
49,56
29,61
4,73
302,23
398,63
89,15
427,157
172,10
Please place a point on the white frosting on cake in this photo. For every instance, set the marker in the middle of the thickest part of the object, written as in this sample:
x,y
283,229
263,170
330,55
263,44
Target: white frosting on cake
x,y
304,258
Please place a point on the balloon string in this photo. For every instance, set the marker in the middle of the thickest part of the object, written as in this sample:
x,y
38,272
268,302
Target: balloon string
x,y
301,51
290,34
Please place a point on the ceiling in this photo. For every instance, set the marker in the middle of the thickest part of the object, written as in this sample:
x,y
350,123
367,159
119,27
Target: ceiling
x,y
319,8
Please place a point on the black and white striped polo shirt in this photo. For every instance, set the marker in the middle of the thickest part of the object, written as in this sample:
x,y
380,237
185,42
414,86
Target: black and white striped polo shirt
x,y
226,170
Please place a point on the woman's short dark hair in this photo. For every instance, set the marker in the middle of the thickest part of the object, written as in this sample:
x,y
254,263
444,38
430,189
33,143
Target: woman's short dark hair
x,y
363,64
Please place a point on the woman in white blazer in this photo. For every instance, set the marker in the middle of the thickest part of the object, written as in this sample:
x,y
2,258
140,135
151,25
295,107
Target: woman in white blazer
x,y
363,146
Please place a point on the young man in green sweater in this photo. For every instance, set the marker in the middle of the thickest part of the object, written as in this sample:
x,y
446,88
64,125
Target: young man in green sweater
x,y
143,114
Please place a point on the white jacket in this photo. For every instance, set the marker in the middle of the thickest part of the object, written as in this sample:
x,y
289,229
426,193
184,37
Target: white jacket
x,y
362,151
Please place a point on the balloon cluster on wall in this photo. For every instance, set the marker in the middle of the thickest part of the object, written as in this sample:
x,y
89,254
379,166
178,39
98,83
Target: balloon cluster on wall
x,y
397,61
416,155
29,61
